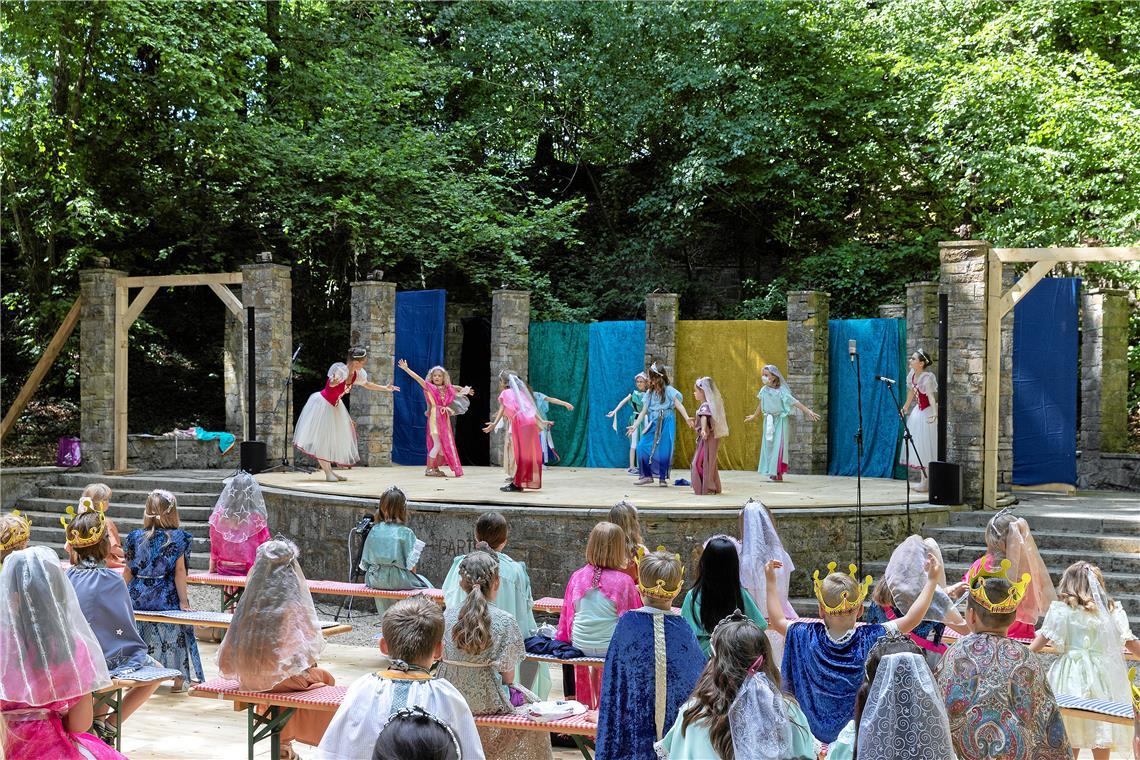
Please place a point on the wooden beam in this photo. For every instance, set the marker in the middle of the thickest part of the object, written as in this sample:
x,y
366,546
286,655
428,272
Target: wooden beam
x,y
39,372
139,303
1026,255
122,330
1035,274
991,388
172,280
232,302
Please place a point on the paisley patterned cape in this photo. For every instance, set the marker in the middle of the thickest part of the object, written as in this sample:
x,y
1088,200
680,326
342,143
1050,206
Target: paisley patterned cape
x,y
999,701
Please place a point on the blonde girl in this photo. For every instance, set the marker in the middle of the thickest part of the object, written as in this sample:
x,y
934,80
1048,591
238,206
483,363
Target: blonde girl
x,y
98,496
444,401
624,515
15,530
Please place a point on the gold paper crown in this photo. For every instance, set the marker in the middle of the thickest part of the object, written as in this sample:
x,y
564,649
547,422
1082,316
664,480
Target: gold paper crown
x,y
20,533
83,539
976,580
659,591
1135,690
846,604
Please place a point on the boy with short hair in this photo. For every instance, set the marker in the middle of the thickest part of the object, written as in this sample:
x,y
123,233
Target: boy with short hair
x,y
413,640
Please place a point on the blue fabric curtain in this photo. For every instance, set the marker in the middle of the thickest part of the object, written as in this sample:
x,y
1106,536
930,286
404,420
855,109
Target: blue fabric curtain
x,y
879,342
558,353
419,339
1045,383
617,353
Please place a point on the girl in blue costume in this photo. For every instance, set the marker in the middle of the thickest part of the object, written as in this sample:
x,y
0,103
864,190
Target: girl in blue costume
x,y
823,661
776,403
636,400
655,449
652,666
392,550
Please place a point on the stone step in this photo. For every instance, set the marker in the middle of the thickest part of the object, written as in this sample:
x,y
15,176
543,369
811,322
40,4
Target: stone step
x,y
120,512
1123,563
199,562
144,482
1072,540
128,496
48,534
1079,522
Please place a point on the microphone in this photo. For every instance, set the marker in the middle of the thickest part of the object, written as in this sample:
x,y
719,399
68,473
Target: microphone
x,y
299,346
885,379
851,350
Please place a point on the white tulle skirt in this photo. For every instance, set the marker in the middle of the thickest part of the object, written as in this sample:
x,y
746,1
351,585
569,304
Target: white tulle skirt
x,y
326,432
925,436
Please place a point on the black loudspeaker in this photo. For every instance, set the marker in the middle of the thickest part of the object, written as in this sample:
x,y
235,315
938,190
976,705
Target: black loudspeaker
x,y
945,483
253,456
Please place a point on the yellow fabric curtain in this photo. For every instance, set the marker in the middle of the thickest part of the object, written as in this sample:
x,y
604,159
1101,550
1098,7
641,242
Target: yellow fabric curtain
x,y
732,353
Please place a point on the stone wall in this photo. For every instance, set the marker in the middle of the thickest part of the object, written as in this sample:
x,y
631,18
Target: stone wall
x,y
661,313
159,452
233,373
1104,393
269,289
455,313
510,346
373,326
922,319
1116,472
21,482
97,368
807,373
892,311
552,542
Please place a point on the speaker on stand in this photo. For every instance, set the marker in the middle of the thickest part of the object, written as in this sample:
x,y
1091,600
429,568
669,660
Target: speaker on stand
x,y
253,451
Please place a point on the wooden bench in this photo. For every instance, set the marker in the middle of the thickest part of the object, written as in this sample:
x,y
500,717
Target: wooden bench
x,y
1096,709
112,696
333,588
279,708
210,619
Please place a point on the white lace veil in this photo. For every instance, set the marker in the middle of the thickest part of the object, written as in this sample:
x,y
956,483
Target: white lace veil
x,y
905,715
760,544
240,511
523,398
274,633
48,652
1115,670
758,720
716,405
905,576
1021,550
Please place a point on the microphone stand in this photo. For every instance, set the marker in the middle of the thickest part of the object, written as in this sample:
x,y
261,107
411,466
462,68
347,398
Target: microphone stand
x,y
284,466
855,366
908,446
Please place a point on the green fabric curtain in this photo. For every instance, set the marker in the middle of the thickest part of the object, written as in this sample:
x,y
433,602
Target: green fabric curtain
x,y
558,357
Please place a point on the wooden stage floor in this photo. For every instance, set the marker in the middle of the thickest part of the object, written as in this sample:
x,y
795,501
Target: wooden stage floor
x,y
592,488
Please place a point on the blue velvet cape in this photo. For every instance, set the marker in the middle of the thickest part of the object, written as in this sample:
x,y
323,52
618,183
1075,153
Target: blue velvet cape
x,y
626,723
824,676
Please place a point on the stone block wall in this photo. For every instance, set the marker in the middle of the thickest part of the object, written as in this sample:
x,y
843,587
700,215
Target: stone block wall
x,y
373,315
807,373
892,311
97,368
922,319
233,374
268,287
454,315
510,346
1103,432
661,313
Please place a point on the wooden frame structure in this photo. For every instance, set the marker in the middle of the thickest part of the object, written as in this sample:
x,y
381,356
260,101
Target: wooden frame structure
x,y
39,372
998,304
127,310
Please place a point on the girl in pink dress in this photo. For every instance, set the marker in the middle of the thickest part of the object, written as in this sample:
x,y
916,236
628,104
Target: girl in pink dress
x,y
238,525
516,404
444,401
51,663
324,430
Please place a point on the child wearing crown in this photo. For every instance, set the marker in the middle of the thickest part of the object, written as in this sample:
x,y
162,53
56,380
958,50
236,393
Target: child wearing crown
x,y
823,661
996,691
106,605
652,665
15,530
98,496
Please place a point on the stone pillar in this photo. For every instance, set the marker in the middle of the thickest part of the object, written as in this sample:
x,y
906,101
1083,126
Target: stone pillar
x,y
922,319
1104,377
268,288
97,368
807,374
963,279
374,327
1005,402
892,311
510,346
661,310
233,374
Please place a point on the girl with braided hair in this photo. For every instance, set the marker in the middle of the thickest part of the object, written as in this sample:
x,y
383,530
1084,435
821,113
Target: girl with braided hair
x,y
482,648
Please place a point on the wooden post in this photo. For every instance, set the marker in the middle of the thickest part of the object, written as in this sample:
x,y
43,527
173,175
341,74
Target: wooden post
x,y
47,358
122,329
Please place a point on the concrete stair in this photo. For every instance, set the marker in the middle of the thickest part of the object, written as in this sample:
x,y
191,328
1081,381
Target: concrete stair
x,y
195,496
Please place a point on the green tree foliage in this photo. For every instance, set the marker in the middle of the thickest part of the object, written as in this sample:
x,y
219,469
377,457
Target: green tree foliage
x,y
588,151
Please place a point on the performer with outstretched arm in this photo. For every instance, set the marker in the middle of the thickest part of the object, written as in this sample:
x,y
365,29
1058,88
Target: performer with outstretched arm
x,y
324,430
444,401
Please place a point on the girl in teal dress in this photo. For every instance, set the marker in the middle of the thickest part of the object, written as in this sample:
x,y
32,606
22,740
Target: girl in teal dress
x,y
737,708
636,401
776,403
392,550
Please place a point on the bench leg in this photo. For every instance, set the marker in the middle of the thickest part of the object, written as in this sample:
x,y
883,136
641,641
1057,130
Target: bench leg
x,y
267,726
230,597
114,700
584,746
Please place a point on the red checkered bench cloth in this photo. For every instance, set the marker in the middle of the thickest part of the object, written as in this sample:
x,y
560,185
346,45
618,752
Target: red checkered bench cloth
x,y
280,706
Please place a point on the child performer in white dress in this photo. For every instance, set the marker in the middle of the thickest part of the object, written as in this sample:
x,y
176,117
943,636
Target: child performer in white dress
x,y
922,404
324,430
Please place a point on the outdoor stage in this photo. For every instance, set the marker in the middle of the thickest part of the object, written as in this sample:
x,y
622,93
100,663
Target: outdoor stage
x,y
595,488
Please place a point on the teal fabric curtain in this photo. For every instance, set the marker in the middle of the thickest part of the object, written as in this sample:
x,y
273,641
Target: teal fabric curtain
x,y
559,353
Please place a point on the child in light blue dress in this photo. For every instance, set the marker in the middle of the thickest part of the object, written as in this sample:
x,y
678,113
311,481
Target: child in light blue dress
x,y
392,550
